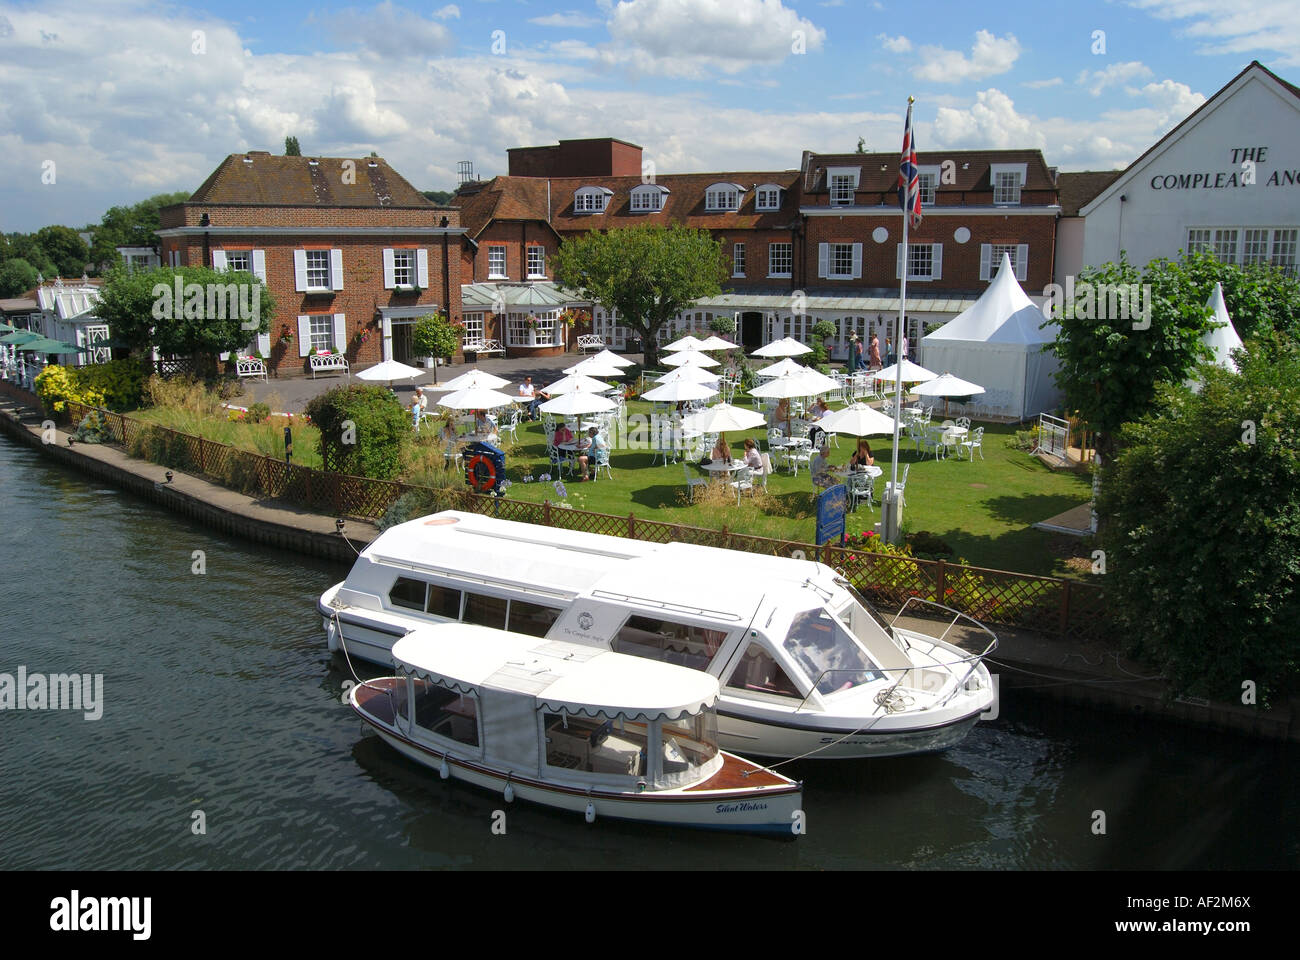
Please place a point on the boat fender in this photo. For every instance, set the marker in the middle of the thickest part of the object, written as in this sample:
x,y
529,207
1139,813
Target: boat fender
x,y
332,637
510,789
590,815
444,771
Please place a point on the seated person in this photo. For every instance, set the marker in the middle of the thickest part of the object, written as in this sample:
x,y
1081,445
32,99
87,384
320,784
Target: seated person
x,y
482,425
780,415
819,409
821,469
528,394
595,449
541,397
862,456
720,450
562,435
753,459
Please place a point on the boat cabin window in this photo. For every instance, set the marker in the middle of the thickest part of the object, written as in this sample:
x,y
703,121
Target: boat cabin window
x,y
595,744
430,597
668,642
758,672
830,656
691,741
445,712
486,611
531,618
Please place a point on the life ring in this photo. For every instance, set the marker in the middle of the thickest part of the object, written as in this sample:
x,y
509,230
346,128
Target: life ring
x,y
481,481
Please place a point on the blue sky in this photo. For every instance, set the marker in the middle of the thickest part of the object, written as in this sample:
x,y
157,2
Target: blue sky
x,y
126,99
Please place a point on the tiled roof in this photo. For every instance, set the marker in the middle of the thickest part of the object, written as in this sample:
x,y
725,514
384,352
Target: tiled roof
x,y
880,170
502,198
262,179
18,305
1078,189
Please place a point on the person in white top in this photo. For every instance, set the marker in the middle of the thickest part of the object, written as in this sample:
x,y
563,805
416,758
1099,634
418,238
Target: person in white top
x,y
526,388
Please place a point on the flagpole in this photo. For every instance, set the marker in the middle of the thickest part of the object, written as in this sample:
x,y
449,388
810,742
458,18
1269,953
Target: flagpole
x,y
891,526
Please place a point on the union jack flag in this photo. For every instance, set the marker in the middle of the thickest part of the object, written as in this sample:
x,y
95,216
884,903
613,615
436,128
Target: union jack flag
x,y
909,181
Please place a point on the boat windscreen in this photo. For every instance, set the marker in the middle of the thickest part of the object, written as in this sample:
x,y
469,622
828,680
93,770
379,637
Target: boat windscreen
x,y
865,604
830,656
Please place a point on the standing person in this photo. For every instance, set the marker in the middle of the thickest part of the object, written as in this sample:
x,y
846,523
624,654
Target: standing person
x,y
874,357
855,353
889,352
858,362
903,352
415,414
423,401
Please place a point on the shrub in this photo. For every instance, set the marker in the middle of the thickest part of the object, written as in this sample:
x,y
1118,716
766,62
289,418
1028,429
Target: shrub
x,y
926,546
822,331
116,385
722,324
1025,440
93,429
421,502
363,431
161,446
240,471
258,412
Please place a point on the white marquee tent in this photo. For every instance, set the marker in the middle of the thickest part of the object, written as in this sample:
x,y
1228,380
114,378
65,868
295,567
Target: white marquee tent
x,y
998,343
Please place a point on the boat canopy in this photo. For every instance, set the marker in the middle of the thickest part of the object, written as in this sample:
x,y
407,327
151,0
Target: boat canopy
x,y
561,677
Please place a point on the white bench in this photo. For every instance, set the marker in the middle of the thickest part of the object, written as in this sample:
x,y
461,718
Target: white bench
x,y
335,361
590,341
250,367
483,346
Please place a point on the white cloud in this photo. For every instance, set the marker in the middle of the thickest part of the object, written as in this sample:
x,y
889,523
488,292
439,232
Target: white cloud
x,y
572,19
990,55
1040,84
1116,73
895,44
449,12
1261,25
391,32
692,37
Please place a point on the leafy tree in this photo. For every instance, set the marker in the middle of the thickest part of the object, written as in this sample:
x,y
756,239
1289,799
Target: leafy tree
x,y
141,309
648,274
862,146
1202,531
1109,370
16,276
26,247
66,248
363,430
133,226
291,148
440,197
821,331
433,336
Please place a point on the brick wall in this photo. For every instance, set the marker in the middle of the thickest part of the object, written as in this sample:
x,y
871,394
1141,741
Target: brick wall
x,y
515,237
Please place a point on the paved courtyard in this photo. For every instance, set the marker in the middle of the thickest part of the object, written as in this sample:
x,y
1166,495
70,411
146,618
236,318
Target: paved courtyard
x,y
289,393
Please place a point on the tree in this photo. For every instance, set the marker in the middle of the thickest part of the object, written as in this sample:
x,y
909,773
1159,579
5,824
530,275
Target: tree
x,y
66,248
862,146
133,226
433,336
1110,370
648,274
1202,532
26,247
291,148
213,314
362,430
16,277
440,197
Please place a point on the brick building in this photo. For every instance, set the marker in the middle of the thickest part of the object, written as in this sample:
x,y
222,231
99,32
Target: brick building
x,y
351,252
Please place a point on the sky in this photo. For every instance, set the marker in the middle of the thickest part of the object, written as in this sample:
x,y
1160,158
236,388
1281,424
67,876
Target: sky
x,y
111,102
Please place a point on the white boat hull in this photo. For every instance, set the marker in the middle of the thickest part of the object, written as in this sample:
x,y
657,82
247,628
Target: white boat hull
x,y
757,739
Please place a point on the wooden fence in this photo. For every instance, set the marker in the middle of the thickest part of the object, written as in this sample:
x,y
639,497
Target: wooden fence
x,y
1049,605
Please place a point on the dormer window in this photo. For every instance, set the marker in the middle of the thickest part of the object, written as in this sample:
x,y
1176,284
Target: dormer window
x,y
842,182
648,198
723,196
591,199
928,181
768,197
1007,180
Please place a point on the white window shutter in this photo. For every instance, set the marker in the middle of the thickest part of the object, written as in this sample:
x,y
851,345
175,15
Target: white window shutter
x,y
259,265
340,333
823,259
986,261
300,270
304,336
336,268
938,261
386,328
264,344
857,261
422,268
1022,261
390,276
218,260
898,266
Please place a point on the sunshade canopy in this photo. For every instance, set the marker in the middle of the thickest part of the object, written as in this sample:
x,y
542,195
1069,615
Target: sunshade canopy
x,y
475,398
785,347
690,358
677,392
857,420
912,373
946,385
388,370
577,402
723,417
689,374
576,381
687,342
475,378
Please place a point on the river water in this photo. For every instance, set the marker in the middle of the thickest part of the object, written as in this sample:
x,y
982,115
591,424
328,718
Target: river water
x,y
221,710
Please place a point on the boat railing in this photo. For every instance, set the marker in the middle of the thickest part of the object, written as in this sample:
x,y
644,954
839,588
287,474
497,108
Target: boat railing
x,y
957,616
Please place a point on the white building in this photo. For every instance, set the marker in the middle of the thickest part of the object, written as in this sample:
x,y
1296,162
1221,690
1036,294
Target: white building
x,y
1225,180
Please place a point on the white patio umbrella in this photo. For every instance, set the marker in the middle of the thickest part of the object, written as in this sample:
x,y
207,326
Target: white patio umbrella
x,y
609,356
388,371
722,417
578,402
809,383
690,358
596,367
715,342
912,373
576,381
474,378
690,374
687,342
677,392
857,420
785,347
475,398
781,368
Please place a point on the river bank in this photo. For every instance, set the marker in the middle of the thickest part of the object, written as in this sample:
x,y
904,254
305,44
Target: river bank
x,y
1092,673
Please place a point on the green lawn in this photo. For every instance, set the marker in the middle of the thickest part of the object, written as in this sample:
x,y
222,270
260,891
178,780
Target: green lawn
x,y
984,510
